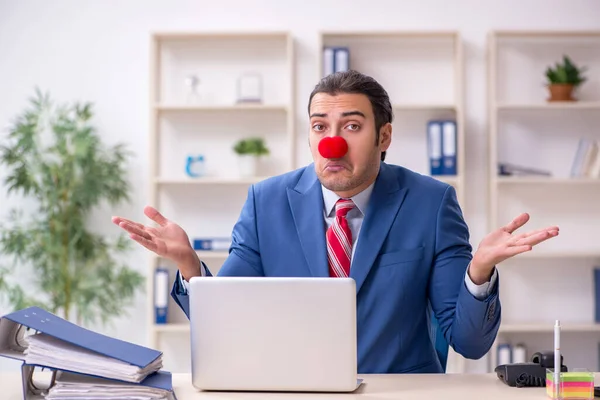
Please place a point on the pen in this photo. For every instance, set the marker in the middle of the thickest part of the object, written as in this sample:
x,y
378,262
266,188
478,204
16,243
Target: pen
x,y
557,363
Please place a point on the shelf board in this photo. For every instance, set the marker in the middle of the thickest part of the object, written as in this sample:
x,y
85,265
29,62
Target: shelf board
x,y
209,181
567,105
581,254
244,35
222,107
557,33
176,327
548,327
543,180
212,254
504,327
450,179
424,107
208,254
390,34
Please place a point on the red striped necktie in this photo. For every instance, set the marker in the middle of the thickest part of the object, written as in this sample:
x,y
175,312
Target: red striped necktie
x,y
339,241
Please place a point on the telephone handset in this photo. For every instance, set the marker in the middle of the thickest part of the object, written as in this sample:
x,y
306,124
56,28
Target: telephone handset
x,y
529,374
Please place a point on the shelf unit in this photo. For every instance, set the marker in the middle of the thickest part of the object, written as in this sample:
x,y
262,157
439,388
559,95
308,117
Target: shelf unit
x,y
526,129
210,124
400,61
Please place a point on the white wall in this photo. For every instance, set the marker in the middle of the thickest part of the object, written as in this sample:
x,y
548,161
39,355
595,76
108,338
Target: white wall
x,y
98,51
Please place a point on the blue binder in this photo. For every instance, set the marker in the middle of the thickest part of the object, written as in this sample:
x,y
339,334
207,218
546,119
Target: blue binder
x,y
161,295
12,345
434,147
341,59
34,391
449,144
335,59
43,321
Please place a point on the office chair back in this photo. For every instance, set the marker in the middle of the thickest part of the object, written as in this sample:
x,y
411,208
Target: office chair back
x,y
437,338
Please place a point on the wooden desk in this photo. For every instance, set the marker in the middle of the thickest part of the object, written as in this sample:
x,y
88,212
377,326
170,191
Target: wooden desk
x,y
397,387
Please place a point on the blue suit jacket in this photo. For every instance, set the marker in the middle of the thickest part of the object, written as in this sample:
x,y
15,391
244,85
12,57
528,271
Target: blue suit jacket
x,y
413,249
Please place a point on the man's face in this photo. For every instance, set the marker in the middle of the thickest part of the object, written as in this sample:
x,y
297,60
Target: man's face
x,y
351,117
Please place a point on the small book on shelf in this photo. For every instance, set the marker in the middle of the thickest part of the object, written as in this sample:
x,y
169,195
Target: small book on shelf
x,y
586,163
82,361
508,169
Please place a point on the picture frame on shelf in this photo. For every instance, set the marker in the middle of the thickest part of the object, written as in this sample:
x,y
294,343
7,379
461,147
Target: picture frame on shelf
x,y
250,88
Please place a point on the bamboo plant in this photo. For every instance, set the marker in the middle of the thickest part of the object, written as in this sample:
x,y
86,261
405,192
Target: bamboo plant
x,y
52,257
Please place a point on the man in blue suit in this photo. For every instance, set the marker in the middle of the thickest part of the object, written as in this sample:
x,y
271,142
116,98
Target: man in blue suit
x,y
399,234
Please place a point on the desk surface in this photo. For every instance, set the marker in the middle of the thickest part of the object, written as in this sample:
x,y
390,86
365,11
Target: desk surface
x,y
398,387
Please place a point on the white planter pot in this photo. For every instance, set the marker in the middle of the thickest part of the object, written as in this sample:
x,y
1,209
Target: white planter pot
x,y
248,165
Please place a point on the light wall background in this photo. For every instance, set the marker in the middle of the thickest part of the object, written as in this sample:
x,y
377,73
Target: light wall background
x,y
99,51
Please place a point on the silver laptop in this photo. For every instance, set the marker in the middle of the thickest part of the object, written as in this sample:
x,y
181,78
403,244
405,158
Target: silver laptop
x,y
273,334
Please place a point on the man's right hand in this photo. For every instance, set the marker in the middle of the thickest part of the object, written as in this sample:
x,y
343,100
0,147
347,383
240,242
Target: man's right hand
x,y
168,240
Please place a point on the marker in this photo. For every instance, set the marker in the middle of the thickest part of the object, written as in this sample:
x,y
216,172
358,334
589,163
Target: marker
x,y
557,363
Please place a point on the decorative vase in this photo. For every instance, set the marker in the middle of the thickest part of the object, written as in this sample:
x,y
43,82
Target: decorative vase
x,y
248,165
194,166
561,92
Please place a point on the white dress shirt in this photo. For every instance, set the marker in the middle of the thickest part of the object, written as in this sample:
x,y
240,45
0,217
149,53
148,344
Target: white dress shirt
x,y
355,219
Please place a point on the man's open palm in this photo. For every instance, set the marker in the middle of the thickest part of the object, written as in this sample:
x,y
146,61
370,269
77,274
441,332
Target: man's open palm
x,y
168,239
502,243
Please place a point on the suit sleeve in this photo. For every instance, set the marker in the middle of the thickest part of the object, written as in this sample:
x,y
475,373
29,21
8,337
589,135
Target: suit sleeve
x,y
470,324
244,255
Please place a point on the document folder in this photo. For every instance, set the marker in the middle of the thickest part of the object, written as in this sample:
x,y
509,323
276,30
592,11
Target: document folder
x,y
14,345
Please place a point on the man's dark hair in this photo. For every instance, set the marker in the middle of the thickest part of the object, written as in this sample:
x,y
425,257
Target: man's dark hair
x,y
356,82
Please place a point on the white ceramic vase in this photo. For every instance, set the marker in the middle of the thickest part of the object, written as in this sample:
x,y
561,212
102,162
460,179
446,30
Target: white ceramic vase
x,y
248,165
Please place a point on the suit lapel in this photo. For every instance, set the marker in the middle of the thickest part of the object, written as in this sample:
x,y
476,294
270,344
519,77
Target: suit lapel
x,y
385,201
306,203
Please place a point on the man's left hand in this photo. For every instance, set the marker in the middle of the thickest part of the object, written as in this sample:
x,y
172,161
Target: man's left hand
x,y
501,244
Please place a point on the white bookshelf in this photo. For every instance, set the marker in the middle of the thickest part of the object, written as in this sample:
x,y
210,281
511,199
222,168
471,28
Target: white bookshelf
x,y
555,280
210,124
401,61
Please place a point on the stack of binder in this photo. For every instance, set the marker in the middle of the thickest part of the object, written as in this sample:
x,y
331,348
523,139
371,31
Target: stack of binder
x,y
442,146
83,364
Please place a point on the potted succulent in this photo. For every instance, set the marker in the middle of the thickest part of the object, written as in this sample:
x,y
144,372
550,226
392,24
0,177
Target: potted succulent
x,y
249,150
563,79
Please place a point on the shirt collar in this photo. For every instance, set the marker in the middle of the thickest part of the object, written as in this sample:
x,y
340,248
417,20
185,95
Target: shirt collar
x,y
361,200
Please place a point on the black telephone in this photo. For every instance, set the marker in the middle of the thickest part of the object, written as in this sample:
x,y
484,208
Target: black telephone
x,y
529,374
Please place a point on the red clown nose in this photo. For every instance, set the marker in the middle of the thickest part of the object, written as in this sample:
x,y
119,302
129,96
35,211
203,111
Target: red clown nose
x,y
333,147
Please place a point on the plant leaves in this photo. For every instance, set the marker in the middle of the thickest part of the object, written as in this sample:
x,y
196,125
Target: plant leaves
x,y
55,156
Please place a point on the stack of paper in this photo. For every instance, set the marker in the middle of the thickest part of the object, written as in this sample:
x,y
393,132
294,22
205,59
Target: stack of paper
x,y
55,353
70,386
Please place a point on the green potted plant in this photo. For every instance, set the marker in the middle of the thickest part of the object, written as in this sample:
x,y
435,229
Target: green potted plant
x,y
563,79
249,150
55,158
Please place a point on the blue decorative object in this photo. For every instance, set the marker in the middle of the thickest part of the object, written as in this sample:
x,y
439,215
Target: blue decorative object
x,y
194,166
